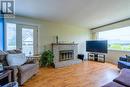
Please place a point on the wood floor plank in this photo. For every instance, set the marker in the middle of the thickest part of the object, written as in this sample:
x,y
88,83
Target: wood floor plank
x,y
86,74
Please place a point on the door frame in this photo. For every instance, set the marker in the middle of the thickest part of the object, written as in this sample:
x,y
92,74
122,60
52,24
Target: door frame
x,y
35,36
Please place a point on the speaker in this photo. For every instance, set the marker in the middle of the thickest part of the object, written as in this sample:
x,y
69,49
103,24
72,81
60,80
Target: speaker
x,y
81,56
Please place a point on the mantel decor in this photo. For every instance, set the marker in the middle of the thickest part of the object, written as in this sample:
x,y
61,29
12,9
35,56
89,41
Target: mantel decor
x,y
57,39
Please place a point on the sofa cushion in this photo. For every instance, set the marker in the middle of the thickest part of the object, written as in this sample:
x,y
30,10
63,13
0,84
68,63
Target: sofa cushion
x,y
123,78
16,59
27,67
113,84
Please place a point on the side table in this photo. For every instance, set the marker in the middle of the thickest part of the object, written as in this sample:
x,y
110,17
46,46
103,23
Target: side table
x,y
6,74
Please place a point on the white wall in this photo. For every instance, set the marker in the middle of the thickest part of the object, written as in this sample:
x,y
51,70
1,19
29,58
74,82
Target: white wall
x,y
48,30
113,55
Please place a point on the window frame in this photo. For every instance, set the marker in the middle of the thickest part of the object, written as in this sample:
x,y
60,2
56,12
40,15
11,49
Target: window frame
x,y
5,35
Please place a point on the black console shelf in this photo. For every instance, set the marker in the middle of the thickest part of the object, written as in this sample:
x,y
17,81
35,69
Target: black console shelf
x,y
96,56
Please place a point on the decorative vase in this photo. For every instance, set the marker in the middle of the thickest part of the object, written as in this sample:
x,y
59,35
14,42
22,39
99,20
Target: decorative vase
x,y
57,39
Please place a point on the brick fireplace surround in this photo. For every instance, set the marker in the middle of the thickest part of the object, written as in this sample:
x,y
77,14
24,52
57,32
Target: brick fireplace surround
x,y
65,54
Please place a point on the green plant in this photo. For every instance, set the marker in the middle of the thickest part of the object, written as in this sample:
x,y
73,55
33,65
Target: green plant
x,y
47,58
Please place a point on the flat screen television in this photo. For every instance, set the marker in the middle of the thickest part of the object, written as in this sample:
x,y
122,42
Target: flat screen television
x,y
98,46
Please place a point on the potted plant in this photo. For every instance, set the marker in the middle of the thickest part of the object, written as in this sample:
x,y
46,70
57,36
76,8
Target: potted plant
x,y
47,58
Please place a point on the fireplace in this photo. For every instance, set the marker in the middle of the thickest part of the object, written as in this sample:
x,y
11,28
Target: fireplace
x,y
65,55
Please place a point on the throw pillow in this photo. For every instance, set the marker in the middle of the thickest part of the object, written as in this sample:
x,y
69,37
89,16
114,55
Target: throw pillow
x,y
16,59
128,58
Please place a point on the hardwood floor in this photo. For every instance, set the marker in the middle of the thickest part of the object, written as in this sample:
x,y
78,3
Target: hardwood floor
x,y
86,74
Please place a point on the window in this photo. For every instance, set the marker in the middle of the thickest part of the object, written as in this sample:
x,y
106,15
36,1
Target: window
x,y
11,36
118,39
24,38
27,41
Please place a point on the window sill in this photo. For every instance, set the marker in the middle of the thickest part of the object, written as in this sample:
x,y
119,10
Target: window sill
x,y
118,50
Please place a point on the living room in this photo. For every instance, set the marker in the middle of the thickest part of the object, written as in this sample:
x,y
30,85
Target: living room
x,y
30,30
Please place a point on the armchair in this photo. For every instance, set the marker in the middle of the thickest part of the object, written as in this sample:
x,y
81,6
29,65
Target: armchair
x,y
123,63
26,71
20,73
5,64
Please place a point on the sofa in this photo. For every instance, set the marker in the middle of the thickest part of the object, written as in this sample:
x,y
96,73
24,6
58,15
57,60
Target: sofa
x,y
123,80
20,73
123,63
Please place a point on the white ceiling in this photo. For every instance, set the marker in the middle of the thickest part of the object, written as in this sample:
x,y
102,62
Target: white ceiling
x,y
85,13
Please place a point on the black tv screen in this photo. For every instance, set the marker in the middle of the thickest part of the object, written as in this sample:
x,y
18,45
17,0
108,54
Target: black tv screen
x,y
99,46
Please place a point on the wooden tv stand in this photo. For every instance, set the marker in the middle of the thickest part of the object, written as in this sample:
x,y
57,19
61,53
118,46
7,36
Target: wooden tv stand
x,y
96,56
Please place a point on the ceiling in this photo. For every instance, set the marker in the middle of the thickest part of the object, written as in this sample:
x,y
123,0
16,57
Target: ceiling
x,y
85,13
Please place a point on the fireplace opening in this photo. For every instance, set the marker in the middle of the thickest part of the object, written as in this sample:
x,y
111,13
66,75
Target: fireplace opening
x,y
65,55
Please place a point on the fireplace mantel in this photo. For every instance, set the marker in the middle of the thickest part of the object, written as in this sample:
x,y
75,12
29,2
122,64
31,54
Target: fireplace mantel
x,y
64,44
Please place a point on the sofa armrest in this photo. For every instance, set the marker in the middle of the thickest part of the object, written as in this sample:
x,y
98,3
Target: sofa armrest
x,y
15,71
123,58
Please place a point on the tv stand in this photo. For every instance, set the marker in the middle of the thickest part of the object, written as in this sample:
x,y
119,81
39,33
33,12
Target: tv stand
x,y
96,56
